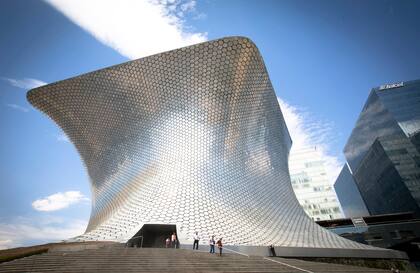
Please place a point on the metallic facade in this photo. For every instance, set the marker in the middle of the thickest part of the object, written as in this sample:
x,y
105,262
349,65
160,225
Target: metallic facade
x,y
193,137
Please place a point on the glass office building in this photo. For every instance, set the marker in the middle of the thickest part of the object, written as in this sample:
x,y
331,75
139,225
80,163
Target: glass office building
x,y
351,201
311,184
383,149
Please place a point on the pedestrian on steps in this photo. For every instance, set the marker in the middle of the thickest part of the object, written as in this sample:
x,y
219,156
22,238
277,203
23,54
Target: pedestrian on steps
x,y
173,240
168,242
212,242
220,246
272,251
196,240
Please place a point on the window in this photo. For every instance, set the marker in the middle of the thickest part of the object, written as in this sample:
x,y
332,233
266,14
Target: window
x,y
374,237
407,234
397,152
313,164
395,235
320,188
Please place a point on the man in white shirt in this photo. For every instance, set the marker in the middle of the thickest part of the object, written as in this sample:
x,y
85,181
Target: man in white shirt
x,y
212,242
196,239
173,240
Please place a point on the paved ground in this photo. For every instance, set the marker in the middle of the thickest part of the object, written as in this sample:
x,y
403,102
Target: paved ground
x,y
116,258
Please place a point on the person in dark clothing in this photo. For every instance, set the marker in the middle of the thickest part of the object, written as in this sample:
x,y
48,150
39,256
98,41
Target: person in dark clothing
x,y
272,251
220,246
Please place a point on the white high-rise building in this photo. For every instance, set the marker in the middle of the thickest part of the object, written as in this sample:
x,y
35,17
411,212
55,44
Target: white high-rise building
x,y
311,184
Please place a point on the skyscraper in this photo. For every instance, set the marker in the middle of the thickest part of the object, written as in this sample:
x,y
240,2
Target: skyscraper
x,y
312,185
383,150
351,201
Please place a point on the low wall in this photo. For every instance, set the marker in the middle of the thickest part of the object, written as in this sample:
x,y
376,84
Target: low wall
x,y
308,252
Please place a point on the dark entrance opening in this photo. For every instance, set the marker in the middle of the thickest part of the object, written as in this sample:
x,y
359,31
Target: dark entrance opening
x,y
152,235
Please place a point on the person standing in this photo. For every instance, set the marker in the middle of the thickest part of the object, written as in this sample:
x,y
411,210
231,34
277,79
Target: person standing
x,y
173,240
167,242
196,240
212,242
272,251
220,246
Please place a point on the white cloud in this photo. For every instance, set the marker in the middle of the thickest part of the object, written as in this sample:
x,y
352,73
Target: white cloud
x,y
133,28
308,131
62,138
59,201
188,6
21,231
26,83
6,243
18,107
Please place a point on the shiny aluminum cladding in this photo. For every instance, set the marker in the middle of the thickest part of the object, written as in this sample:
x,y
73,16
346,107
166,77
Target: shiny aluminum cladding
x,y
192,137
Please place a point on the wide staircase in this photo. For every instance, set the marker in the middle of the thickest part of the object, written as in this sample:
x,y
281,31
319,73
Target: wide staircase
x,y
118,258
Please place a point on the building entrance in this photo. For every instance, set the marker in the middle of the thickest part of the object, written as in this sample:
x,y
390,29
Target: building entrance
x,y
152,235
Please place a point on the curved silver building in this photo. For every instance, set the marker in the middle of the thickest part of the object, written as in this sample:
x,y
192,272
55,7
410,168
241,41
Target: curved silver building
x,y
192,137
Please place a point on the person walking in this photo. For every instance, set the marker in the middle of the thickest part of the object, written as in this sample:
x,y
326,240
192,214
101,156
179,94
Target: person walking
x,y
173,240
212,242
196,240
220,246
168,242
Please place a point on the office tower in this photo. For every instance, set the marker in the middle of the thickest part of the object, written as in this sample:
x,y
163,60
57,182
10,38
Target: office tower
x,y
383,149
351,201
311,184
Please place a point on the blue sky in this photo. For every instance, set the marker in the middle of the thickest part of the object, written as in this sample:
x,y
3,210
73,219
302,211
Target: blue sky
x,y
323,58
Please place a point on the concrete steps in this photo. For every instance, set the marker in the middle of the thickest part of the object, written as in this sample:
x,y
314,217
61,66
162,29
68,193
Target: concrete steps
x,y
120,259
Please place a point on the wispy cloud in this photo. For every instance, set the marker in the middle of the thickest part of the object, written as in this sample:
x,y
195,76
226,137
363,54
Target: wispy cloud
x,y
308,131
26,83
62,138
24,231
58,201
134,28
17,107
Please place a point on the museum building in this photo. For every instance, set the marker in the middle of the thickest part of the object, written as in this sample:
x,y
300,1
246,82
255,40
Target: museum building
x,y
189,140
